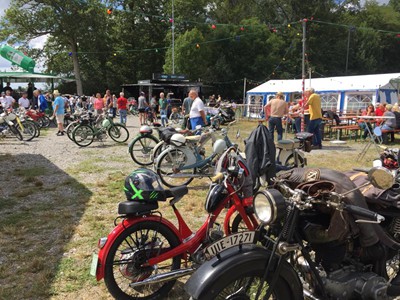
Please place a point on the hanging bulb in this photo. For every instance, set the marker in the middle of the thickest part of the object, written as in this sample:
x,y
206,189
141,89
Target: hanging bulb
x,y
197,46
109,11
69,54
242,28
288,25
213,26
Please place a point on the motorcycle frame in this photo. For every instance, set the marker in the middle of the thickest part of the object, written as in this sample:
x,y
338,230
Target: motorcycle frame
x,y
190,241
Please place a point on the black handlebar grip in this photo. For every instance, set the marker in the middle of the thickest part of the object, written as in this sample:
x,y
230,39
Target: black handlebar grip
x,y
363,212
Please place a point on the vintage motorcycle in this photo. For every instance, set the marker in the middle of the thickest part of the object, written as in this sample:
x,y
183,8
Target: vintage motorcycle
x,y
8,125
318,242
145,253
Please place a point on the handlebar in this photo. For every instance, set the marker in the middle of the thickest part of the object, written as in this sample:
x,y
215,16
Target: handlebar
x,y
217,177
362,212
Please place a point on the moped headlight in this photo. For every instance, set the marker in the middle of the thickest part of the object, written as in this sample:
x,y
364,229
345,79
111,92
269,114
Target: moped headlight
x,y
269,206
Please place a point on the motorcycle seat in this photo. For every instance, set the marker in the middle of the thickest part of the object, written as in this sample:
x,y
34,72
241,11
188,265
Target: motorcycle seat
x,y
193,138
288,144
136,207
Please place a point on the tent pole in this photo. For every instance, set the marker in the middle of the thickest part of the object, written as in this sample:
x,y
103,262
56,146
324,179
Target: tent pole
x,y
244,90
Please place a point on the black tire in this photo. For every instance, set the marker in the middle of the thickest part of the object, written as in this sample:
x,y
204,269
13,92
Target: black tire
x,y
83,135
37,127
15,131
242,282
70,128
141,149
29,131
118,133
44,121
157,150
167,162
290,162
238,224
135,246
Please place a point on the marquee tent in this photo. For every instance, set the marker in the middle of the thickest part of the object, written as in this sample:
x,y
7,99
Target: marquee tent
x,y
345,93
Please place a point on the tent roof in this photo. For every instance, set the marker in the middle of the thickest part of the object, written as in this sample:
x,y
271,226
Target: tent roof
x,y
330,84
26,76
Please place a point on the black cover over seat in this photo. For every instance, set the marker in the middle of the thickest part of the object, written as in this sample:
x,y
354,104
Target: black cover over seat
x,y
136,207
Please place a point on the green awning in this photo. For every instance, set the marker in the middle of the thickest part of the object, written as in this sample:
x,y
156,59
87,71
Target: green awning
x,y
31,77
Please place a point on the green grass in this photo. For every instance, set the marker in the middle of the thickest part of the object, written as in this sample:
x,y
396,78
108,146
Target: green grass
x,y
48,232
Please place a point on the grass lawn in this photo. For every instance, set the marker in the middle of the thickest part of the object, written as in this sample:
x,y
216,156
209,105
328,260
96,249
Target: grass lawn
x,y
50,224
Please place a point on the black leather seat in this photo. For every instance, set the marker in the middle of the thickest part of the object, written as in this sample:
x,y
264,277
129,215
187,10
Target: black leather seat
x,y
136,207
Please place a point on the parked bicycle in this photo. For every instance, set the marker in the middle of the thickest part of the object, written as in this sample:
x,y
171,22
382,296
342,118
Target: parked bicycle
x,y
84,134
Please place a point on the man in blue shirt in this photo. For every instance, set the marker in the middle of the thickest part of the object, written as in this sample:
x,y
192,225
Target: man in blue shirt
x,y
58,111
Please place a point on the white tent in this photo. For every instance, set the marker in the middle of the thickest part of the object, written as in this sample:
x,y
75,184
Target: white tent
x,y
337,93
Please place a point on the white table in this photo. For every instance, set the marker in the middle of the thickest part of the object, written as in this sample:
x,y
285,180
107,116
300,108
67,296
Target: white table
x,y
376,133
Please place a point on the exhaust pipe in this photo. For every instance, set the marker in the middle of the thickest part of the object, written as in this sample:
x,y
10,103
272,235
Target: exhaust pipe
x,y
175,274
309,295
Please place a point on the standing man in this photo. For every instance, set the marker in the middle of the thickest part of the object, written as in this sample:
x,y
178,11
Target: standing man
x,y
41,103
58,111
279,108
24,101
197,114
122,103
142,108
186,106
163,103
314,104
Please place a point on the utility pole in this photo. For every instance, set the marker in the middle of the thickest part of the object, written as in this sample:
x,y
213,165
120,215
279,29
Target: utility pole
x,y
244,90
303,73
351,28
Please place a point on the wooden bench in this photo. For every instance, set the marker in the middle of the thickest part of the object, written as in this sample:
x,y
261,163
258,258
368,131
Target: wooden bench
x,y
353,128
385,135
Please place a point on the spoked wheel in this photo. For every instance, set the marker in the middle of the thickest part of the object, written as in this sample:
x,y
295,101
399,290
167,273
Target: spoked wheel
x,y
29,130
83,135
141,149
291,162
237,224
168,168
15,131
126,261
44,122
118,133
70,128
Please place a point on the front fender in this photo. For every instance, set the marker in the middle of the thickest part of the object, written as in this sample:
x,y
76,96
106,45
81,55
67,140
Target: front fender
x,y
115,233
200,284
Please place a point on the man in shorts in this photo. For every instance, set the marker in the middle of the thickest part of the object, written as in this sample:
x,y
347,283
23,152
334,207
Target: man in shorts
x,y
58,111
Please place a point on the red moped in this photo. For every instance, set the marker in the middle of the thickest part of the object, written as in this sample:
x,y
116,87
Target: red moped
x,y
145,253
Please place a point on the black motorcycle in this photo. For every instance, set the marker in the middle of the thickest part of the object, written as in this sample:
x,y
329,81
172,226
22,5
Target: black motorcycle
x,y
226,113
318,241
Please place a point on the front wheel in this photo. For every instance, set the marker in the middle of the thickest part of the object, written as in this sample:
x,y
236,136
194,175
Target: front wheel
x,y
83,135
118,133
127,258
29,130
15,131
291,162
169,168
141,149
70,128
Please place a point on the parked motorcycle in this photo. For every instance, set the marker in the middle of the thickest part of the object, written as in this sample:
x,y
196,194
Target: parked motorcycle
x,y
8,125
227,114
145,253
318,242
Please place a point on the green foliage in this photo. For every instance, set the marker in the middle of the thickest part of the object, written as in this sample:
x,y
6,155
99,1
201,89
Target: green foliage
x,y
252,39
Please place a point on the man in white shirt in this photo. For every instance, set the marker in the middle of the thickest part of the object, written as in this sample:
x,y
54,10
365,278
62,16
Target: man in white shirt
x,y
7,101
197,113
24,101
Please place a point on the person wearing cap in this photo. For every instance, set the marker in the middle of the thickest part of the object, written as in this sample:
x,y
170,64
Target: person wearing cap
x,y
24,101
59,111
314,104
274,110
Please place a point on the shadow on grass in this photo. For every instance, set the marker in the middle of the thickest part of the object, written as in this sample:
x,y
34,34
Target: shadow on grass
x,y
40,208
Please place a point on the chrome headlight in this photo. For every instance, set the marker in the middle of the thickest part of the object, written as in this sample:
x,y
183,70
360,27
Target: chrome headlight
x,y
269,206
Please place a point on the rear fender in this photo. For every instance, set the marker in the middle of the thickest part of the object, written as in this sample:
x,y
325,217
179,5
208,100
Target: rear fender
x,y
103,253
200,284
191,159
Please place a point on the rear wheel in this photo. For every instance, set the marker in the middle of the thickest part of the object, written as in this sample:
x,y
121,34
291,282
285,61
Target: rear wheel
x,y
83,135
141,149
127,258
118,133
169,166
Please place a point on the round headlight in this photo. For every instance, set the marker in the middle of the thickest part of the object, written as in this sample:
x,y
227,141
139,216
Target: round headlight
x,y
269,206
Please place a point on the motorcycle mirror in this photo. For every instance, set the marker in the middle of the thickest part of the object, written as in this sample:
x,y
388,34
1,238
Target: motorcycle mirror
x,y
381,178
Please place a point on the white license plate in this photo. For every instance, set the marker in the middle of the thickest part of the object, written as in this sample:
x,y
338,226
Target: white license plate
x,y
93,267
240,238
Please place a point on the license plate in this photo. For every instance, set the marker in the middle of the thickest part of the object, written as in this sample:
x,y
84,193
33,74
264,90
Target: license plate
x,y
240,238
93,267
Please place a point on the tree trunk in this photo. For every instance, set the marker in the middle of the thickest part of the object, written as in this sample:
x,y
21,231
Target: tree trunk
x,y
77,70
